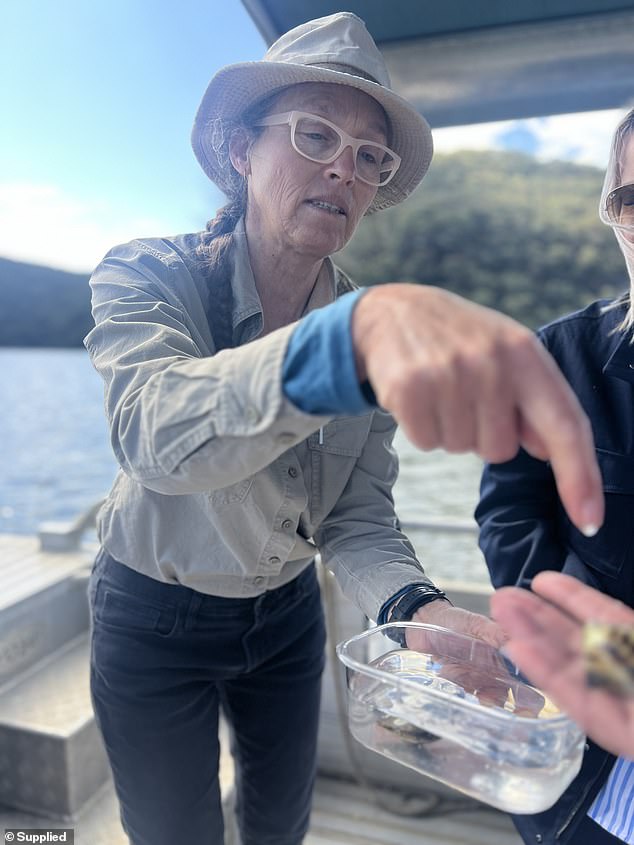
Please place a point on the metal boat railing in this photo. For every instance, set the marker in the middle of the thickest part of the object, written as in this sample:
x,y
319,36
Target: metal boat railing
x,y
68,536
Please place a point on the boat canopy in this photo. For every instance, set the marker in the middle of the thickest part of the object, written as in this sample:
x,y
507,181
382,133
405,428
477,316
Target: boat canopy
x,y
462,62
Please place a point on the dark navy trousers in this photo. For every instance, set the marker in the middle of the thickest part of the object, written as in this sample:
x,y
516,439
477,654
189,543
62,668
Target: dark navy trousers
x,y
164,659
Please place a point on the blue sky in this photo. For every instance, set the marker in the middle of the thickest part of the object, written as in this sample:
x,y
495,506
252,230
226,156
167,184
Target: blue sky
x,y
97,100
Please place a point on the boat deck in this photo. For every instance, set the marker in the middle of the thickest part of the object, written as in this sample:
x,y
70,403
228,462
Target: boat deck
x,y
344,812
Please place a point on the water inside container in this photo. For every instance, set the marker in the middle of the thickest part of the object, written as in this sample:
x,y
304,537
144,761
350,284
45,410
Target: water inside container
x,y
491,686
455,709
418,706
409,716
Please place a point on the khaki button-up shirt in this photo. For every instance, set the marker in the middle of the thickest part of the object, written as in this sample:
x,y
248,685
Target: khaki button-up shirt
x,y
225,486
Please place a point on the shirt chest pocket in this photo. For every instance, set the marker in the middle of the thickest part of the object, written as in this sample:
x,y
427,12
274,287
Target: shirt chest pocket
x,y
233,494
345,436
612,547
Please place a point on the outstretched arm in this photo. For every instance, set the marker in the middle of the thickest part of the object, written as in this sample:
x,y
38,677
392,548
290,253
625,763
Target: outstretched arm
x,y
462,377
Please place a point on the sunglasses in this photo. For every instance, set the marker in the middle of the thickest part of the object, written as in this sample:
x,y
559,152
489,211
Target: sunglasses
x,y
317,139
619,206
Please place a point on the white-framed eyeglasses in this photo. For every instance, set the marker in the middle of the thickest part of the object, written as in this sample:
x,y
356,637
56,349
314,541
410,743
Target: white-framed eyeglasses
x,y
619,207
317,139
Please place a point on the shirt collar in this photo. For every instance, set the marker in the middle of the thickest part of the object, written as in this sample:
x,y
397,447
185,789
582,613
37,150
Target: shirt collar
x,y
246,302
620,363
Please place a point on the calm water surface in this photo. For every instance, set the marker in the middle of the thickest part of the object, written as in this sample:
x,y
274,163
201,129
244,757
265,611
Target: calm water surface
x,y
56,459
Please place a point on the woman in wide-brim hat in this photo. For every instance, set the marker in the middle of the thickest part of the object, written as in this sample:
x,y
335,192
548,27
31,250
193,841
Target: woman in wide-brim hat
x,y
242,453
336,50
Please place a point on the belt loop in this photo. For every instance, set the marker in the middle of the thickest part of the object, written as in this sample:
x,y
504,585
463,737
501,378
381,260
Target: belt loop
x,y
195,600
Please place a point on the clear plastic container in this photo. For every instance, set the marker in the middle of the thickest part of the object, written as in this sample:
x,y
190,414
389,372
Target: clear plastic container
x,y
455,709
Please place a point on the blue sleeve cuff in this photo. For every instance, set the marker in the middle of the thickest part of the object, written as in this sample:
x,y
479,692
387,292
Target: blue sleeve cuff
x,y
319,374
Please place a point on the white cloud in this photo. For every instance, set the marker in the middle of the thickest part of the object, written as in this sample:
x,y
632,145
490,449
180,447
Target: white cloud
x,y
42,224
479,136
583,138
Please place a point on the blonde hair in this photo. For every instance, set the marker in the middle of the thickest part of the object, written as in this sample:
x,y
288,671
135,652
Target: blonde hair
x,y
621,136
623,133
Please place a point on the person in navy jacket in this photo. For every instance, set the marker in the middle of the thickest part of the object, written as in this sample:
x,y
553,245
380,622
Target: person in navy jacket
x,y
524,529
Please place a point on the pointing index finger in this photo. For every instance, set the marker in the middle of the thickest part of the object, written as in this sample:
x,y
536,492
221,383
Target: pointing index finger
x,y
553,414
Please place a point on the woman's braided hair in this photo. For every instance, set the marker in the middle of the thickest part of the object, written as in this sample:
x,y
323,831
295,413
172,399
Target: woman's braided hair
x,y
215,250
216,247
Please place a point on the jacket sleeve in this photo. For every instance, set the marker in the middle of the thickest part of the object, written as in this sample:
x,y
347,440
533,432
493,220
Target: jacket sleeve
x,y
360,540
518,519
182,421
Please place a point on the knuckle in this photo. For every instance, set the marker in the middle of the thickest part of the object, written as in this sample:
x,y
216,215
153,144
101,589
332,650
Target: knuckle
x,y
423,437
500,453
458,440
523,343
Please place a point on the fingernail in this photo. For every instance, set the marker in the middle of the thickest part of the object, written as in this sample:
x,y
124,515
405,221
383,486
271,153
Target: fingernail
x,y
590,521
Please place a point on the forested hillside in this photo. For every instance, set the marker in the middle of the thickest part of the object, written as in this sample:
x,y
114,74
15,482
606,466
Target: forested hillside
x,y
500,228
40,306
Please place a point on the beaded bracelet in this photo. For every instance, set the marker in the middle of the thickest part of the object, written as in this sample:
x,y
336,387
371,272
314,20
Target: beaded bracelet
x,y
408,604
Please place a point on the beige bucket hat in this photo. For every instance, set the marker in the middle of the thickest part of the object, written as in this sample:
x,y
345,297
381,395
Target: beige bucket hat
x,y
335,49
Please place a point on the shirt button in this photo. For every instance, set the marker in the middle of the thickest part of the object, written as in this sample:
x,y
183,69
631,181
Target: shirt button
x,y
285,437
259,581
539,837
274,560
252,415
292,471
287,524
